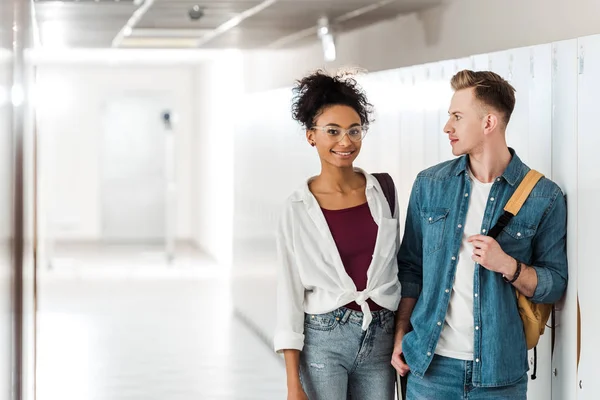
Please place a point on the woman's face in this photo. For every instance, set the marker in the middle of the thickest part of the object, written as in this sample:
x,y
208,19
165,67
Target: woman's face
x,y
337,135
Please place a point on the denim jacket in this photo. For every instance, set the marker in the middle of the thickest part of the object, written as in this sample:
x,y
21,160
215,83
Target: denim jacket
x,y
428,257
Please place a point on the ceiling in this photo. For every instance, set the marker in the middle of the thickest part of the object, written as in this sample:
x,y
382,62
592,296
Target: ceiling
x,y
244,24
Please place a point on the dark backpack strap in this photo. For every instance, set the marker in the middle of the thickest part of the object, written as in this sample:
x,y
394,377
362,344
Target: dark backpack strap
x,y
389,189
501,224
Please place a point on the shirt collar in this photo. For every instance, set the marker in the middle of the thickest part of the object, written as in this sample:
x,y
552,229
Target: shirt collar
x,y
512,174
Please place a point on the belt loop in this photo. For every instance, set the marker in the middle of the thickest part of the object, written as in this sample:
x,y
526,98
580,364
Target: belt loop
x,y
346,315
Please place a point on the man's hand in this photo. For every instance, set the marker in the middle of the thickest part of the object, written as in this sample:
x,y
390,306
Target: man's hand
x,y
398,361
488,253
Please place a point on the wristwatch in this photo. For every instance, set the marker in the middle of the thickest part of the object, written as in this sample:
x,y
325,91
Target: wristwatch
x,y
516,275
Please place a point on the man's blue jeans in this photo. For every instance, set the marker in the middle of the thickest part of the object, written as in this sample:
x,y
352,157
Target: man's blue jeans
x,y
451,379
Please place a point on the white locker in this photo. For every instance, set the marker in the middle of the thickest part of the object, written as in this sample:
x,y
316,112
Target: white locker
x,y
404,186
564,173
385,134
481,62
514,66
540,109
447,70
433,132
588,274
529,72
418,115
517,67
379,148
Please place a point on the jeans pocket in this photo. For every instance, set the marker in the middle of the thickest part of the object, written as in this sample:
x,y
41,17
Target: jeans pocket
x,y
388,322
321,322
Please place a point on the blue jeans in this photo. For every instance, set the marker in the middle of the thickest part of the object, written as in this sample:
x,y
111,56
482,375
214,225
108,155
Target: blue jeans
x,y
341,361
451,379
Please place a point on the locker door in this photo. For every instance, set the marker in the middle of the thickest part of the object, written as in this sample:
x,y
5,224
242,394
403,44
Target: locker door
x,y
564,173
418,146
406,97
437,91
588,274
531,135
539,138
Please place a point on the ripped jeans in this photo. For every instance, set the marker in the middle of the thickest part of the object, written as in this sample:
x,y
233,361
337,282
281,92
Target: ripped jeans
x,y
340,361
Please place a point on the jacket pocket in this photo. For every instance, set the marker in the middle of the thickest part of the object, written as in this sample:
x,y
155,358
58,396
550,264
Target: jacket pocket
x,y
519,230
434,223
516,239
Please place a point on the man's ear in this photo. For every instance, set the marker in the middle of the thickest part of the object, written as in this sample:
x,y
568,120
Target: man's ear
x,y
490,123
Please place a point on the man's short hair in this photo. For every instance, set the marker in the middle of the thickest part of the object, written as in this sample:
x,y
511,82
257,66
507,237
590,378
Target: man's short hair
x,y
490,89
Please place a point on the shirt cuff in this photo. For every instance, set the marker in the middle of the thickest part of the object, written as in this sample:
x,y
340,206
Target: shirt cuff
x,y
544,285
288,341
410,289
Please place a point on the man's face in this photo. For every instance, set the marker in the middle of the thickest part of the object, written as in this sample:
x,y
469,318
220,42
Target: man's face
x,y
466,124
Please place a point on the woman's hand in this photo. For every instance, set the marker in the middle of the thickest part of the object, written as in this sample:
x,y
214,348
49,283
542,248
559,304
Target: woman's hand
x,y
297,394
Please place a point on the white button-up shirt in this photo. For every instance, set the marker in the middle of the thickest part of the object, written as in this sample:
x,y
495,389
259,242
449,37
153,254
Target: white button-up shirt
x,y
311,276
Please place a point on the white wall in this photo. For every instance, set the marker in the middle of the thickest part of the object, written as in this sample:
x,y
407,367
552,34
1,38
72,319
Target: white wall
x,y
70,102
217,88
456,29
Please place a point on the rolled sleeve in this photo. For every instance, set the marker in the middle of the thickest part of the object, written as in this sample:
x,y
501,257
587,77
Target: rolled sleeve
x,y
288,340
289,333
550,253
544,284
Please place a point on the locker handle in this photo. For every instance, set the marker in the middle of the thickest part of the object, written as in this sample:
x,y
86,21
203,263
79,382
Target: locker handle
x,y
578,332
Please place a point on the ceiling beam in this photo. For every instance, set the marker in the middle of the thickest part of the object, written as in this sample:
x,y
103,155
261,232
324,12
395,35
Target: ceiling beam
x,y
132,22
235,21
294,37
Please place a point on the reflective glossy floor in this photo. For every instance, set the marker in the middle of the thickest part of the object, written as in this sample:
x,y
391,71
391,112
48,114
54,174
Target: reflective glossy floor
x,y
119,323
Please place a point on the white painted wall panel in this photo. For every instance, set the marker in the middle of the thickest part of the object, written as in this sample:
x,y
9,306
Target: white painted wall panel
x,y
217,90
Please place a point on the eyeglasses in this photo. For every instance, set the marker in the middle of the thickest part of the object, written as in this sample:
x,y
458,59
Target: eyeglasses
x,y
336,133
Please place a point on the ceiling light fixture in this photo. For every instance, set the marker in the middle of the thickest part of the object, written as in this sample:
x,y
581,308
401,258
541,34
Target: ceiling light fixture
x,y
325,33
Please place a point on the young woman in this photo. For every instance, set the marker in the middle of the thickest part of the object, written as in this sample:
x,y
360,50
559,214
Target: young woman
x,y
337,280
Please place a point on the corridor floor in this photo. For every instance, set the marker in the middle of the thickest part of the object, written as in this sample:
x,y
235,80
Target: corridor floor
x,y
121,324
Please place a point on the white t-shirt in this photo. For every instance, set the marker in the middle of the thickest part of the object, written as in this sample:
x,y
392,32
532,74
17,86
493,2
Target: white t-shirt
x,y
457,337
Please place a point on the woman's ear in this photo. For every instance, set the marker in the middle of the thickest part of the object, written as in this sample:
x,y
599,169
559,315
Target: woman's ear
x,y
310,137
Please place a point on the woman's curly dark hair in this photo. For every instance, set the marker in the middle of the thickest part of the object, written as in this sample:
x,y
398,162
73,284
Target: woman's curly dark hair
x,y
315,92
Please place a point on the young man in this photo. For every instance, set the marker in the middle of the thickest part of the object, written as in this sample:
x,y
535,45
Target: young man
x,y
458,285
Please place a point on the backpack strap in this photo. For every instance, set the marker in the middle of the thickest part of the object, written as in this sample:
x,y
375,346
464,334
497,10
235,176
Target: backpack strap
x,y
512,208
516,201
389,189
